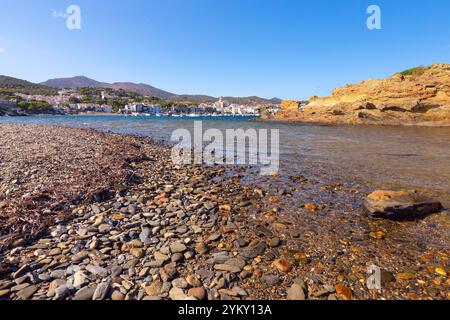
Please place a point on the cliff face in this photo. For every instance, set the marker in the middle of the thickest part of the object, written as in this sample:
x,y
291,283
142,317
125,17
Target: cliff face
x,y
419,96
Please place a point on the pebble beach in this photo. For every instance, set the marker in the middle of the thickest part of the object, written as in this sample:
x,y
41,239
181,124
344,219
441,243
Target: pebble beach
x,y
89,215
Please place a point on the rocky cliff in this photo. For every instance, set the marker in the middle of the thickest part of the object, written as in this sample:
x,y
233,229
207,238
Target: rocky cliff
x,y
419,96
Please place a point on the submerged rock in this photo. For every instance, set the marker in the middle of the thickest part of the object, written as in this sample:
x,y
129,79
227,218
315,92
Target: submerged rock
x,y
400,205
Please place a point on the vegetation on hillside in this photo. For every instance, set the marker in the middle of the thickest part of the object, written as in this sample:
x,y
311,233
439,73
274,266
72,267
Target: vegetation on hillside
x,y
10,86
415,72
35,106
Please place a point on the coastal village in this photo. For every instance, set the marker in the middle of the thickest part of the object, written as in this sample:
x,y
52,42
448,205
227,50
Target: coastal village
x,y
67,102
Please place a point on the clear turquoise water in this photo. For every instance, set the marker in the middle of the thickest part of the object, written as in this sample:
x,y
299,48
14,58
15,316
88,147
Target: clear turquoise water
x,y
406,157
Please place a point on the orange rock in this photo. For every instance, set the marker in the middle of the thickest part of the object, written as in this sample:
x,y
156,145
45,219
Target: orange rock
x,y
163,200
198,293
343,292
405,276
441,271
275,175
274,200
411,97
225,207
118,217
282,265
427,257
137,252
378,235
311,207
383,195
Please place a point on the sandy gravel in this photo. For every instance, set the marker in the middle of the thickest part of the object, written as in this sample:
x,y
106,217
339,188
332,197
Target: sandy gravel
x,y
45,170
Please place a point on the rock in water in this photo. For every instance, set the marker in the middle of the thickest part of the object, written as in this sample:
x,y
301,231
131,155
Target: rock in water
x,y
400,205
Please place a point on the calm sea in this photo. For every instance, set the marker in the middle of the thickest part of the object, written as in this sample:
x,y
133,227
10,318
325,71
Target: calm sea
x,y
407,157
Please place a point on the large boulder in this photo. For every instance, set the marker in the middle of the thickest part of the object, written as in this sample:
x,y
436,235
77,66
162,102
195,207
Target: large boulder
x,y
400,205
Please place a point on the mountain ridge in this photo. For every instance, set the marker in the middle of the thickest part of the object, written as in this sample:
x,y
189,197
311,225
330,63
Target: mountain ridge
x,y
147,90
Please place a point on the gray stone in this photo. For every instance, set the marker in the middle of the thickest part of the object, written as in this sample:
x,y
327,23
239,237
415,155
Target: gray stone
x,y
145,235
101,291
27,292
177,257
240,263
79,279
104,228
84,294
98,271
58,274
295,292
80,256
227,268
61,292
180,283
271,280
177,247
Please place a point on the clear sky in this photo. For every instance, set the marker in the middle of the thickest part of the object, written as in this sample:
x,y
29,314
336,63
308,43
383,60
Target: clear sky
x,y
271,48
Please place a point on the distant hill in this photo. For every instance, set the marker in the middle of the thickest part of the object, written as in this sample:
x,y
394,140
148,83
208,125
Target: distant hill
x,y
13,85
10,83
194,98
73,83
140,88
235,100
251,100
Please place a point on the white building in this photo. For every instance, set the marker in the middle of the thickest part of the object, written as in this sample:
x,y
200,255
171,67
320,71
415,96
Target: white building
x,y
153,109
104,108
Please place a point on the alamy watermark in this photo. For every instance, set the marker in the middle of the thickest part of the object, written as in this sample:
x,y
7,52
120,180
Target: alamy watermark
x,y
72,16
374,20
373,278
235,147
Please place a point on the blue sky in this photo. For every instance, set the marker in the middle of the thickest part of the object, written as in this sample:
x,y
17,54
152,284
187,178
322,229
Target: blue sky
x,y
271,48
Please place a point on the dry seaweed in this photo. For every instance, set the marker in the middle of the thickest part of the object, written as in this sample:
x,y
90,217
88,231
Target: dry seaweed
x,y
46,170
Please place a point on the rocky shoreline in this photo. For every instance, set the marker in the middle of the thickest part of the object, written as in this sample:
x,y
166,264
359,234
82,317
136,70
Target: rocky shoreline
x,y
415,97
168,232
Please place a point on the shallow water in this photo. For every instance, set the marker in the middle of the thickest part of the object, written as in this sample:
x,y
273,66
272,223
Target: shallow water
x,y
404,157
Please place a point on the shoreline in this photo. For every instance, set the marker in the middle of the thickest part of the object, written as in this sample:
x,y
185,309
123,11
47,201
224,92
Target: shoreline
x,y
204,232
431,124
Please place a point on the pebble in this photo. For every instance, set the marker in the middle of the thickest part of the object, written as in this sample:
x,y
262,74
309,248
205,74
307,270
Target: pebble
x,y
199,293
101,291
84,294
80,256
117,296
343,292
274,242
61,292
154,289
178,247
177,294
27,292
180,283
296,292
228,268
282,265
201,248
98,271
79,279
271,280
